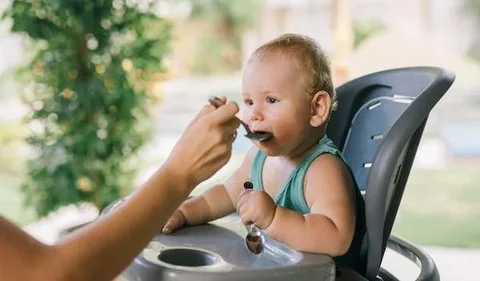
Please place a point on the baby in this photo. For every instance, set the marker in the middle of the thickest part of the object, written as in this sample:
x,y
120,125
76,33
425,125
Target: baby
x,y
301,181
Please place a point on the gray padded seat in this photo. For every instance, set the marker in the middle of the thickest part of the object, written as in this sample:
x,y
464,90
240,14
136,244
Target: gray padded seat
x,y
378,125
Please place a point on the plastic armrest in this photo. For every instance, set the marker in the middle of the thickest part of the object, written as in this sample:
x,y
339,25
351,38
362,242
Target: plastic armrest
x,y
428,269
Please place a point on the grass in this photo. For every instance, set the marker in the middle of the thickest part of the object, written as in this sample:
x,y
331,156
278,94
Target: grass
x,y
441,207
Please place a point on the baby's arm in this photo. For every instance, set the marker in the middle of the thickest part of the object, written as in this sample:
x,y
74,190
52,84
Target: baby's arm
x,y
330,226
216,202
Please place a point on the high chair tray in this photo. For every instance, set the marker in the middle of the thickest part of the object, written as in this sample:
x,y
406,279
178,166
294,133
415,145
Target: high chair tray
x,y
217,251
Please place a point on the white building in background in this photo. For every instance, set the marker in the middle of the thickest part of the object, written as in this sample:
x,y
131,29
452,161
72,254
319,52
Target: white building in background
x,y
446,20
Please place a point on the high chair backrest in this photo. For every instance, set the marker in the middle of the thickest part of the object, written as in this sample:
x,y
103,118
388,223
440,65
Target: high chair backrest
x,y
378,125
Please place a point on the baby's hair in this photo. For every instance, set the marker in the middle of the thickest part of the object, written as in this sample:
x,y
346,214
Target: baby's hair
x,y
309,56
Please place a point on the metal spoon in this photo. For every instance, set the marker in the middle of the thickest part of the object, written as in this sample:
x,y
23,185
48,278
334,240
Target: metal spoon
x,y
251,135
254,240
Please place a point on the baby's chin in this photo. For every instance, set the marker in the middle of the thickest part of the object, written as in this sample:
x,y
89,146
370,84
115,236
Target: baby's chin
x,y
268,150
271,153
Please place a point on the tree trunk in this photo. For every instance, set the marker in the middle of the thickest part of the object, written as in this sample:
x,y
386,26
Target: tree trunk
x,y
426,16
342,32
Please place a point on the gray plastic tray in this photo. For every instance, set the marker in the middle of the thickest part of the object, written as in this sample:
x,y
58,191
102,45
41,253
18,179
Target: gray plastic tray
x,y
217,251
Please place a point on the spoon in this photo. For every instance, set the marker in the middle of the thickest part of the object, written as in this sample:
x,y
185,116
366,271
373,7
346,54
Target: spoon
x,y
251,135
254,240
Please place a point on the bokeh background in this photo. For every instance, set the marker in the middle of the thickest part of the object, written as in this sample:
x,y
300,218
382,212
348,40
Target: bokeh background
x,y
94,94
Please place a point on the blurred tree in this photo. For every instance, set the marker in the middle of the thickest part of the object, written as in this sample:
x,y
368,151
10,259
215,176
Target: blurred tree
x,y
472,7
87,86
221,50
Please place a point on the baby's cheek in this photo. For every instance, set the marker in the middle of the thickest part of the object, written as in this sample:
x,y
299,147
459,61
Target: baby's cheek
x,y
245,116
244,113
286,126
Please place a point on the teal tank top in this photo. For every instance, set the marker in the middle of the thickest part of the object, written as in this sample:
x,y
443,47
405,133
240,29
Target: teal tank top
x,y
292,197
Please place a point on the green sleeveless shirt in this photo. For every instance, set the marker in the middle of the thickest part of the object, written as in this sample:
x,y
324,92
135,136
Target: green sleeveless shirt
x,y
292,196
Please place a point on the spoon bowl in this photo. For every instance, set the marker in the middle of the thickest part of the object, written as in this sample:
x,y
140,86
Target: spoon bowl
x,y
254,240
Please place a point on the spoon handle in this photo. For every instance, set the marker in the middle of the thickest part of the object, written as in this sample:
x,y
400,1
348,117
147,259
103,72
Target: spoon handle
x,y
248,185
250,227
216,102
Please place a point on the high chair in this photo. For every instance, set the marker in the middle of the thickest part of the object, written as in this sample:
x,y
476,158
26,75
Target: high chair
x,y
378,125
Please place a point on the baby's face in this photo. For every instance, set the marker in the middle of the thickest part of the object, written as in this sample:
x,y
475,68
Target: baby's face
x,y
275,101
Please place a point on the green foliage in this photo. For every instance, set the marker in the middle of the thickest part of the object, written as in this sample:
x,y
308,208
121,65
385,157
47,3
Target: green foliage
x,y
472,8
221,49
365,29
87,88
234,15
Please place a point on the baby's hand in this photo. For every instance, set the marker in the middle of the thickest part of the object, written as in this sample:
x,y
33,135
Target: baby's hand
x,y
177,220
257,207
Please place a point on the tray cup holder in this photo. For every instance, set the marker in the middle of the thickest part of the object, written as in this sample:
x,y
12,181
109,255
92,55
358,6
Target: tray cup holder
x,y
187,257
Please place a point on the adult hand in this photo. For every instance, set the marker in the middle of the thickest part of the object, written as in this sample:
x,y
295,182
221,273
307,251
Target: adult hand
x,y
206,144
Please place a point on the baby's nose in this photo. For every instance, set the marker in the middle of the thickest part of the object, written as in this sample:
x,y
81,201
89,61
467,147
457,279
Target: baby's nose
x,y
256,114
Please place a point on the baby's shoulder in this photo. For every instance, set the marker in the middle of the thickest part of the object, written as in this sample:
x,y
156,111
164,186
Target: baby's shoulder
x,y
325,168
327,174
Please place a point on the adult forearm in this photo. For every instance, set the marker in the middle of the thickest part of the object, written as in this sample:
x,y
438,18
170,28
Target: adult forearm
x,y
129,226
115,239
21,256
310,233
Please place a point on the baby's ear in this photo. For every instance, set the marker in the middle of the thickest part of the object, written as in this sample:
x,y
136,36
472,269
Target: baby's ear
x,y
320,108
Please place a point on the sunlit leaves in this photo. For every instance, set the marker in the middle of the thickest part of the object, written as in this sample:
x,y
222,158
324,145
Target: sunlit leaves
x,y
87,94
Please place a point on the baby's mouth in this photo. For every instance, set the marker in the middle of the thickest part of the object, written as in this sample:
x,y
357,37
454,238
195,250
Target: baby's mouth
x,y
269,134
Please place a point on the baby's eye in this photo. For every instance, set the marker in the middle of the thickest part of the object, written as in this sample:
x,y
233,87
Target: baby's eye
x,y
272,100
248,102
